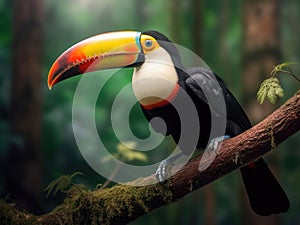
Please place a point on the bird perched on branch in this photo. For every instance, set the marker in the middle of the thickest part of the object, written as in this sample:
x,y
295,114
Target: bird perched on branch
x,y
196,107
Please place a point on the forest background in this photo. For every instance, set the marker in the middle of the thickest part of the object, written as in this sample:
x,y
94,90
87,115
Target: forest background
x,y
239,40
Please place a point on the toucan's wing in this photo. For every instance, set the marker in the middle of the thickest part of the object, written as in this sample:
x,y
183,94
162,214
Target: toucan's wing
x,y
206,88
210,88
238,121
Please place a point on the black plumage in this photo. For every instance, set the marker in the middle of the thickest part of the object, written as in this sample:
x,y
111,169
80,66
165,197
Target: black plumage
x,y
264,192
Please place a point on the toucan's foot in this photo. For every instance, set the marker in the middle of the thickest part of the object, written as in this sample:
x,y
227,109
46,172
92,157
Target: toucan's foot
x,y
215,143
211,152
163,171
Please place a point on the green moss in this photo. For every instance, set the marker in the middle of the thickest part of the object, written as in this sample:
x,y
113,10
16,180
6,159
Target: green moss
x,y
104,206
131,199
10,215
241,143
270,131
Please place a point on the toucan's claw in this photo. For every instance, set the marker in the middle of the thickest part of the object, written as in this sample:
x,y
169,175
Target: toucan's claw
x,y
215,144
163,171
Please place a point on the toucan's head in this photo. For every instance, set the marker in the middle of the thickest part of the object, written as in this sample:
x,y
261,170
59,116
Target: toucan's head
x,y
153,55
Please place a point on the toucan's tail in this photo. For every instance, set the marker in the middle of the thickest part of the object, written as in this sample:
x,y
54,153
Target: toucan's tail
x,y
265,194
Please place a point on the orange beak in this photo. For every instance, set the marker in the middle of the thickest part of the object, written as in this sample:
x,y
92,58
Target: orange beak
x,y
103,51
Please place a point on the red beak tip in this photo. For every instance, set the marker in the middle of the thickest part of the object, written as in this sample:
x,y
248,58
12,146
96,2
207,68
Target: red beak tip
x,y
50,85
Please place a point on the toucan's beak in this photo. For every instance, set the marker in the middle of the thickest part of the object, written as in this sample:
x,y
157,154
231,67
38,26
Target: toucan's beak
x,y
108,50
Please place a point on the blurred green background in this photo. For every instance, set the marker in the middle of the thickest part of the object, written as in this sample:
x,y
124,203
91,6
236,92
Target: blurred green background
x,y
239,40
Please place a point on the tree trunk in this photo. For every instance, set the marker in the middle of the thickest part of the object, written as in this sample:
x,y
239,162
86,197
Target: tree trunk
x,y
174,20
140,13
261,50
196,9
208,193
196,34
23,175
223,50
209,208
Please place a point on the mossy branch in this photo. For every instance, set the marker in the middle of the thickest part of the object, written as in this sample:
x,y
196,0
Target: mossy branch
x,y
122,204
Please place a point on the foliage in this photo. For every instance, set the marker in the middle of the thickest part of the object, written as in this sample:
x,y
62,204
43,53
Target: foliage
x,y
128,154
283,67
271,88
61,184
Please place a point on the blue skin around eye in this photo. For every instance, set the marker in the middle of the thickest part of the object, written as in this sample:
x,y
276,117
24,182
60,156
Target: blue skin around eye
x,y
137,40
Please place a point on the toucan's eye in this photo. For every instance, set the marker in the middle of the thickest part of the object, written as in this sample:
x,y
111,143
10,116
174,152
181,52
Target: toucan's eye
x,y
148,43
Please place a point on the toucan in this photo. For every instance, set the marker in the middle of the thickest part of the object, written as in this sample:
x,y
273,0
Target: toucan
x,y
160,83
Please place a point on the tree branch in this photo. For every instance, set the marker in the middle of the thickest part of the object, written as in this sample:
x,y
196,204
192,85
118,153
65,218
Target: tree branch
x,y
124,203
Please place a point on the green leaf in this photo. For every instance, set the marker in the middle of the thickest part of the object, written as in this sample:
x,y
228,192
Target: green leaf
x,y
280,67
271,89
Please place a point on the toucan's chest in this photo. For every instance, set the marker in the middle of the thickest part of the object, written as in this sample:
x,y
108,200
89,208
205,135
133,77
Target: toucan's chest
x,y
172,115
155,82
